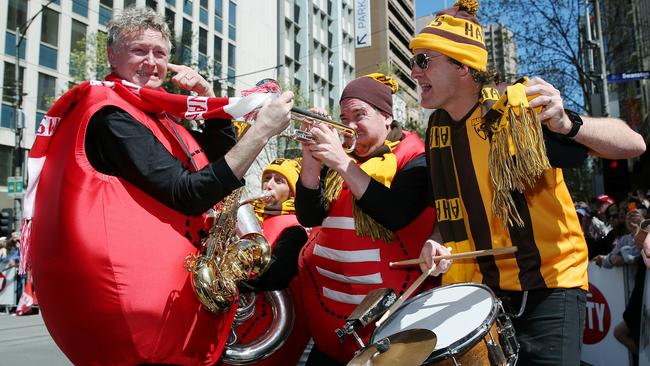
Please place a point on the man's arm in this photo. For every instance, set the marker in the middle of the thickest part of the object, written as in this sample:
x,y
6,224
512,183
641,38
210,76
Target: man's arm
x,y
272,119
605,136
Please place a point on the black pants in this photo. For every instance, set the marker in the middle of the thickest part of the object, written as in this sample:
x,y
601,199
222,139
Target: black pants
x,y
550,329
318,358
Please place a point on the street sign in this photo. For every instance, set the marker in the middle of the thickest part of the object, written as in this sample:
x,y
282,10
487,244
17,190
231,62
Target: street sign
x,y
362,36
14,187
628,76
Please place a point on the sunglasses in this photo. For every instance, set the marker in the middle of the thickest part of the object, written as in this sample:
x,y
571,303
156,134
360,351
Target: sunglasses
x,y
421,60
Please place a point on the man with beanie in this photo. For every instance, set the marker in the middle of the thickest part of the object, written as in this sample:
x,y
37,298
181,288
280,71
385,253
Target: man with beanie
x,y
282,230
496,154
371,210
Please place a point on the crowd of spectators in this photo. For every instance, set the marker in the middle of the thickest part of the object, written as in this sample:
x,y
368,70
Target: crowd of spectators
x,y
612,232
9,260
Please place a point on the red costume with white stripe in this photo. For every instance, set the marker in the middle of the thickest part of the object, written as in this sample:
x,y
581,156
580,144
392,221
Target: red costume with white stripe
x,y
252,329
338,267
107,259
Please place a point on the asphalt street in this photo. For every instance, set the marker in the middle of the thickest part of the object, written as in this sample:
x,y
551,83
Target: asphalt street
x,y
24,340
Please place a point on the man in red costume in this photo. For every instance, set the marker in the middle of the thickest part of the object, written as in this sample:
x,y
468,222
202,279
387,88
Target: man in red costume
x,y
371,209
282,230
115,203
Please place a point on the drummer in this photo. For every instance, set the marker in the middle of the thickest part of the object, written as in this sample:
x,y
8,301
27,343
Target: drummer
x,y
544,285
370,209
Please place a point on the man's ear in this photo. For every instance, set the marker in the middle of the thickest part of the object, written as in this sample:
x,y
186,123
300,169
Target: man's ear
x,y
111,56
463,70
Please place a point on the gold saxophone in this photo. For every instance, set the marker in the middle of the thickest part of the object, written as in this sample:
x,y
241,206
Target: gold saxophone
x,y
234,251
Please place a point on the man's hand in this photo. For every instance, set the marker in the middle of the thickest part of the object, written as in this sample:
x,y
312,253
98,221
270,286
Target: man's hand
x,y
275,115
599,260
432,249
549,98
328,148
188,79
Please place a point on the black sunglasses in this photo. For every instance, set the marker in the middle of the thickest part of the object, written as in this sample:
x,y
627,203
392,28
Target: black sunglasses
x,y
421,60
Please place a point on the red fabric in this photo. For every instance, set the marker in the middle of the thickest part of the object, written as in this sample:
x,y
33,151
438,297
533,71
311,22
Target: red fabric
x,y
256,326
27,300
325,314
108,258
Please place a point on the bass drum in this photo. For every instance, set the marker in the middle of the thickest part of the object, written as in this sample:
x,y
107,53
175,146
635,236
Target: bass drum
x,y
467,319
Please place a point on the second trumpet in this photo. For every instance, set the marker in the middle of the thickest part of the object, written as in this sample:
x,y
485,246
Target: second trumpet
x,y
347,135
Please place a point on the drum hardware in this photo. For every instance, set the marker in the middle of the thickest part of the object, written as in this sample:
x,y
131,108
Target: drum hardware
x,y
495,354
407,348
465,255
404,296
372,306
507,337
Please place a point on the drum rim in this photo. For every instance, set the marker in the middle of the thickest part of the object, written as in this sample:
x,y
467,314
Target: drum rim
x,y
462,344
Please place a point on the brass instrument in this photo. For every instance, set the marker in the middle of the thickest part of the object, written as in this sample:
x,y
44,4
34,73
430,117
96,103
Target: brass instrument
x,y
234,251
347,135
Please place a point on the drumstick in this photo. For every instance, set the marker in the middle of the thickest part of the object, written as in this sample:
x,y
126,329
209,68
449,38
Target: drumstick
x,y
404,296
477,253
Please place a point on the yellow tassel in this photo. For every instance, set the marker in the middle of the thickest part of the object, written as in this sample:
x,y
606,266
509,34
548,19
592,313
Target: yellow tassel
x,y
333,185
470,6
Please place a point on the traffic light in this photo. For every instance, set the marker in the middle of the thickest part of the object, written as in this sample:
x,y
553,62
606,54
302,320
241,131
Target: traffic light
x,y
616,177
6,221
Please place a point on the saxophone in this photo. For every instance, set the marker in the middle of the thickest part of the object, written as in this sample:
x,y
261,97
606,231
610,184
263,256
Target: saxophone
x,y
234,251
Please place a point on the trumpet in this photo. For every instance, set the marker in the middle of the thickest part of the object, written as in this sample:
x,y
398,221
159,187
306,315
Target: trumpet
x,y
347,135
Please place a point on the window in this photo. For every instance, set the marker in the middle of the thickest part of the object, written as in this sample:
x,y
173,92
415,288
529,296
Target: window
x,y
232,20
203,49
170,17
80,7
45,95
171,2
231,62
16,14
77,34
203,12
10,45
218,16
153,4
187,7
6,161
129,3
105,11
50,27
217,57
186,42
9,82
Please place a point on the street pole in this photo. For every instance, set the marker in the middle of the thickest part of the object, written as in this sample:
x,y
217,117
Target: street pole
x,y
603,66
18,121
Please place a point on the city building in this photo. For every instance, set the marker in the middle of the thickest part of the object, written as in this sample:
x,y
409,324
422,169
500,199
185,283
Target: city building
x,y
502,51
305,44
384,47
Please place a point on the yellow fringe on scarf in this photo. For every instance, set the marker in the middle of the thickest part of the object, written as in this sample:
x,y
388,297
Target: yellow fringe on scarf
x,y
262,212
517,152
364,225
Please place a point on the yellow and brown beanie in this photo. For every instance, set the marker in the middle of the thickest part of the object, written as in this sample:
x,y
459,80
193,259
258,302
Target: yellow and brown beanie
x,y
375,89
289,168
456,33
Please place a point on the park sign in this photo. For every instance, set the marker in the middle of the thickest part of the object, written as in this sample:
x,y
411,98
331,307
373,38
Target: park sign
x,y
15,187
362,24
628,76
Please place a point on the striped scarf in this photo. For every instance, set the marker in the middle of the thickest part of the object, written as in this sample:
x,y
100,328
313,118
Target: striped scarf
x,y
151,101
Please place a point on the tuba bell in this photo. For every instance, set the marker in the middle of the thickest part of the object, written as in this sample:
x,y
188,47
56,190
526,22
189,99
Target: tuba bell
x,y
234,251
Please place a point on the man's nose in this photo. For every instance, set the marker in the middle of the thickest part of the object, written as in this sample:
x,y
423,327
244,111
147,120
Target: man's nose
x,y
150,58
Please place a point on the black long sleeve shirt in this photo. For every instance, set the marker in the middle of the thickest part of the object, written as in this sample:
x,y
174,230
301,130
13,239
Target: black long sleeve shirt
x,y
118,145
393,207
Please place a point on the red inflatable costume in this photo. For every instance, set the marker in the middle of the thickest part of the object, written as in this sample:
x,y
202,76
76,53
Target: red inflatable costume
x,y
338,267
107,259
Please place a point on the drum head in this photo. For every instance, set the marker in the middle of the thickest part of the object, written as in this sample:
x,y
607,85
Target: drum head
x,y
455,313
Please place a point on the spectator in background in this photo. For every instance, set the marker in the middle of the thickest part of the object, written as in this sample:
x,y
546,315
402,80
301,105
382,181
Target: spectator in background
x,y
625,250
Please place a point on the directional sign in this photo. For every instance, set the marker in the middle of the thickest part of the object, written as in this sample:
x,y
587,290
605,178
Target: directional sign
x,y
14,187
628,76
362,32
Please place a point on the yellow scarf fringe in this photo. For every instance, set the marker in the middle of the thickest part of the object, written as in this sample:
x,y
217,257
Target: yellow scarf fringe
x,y
364,225
517,154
